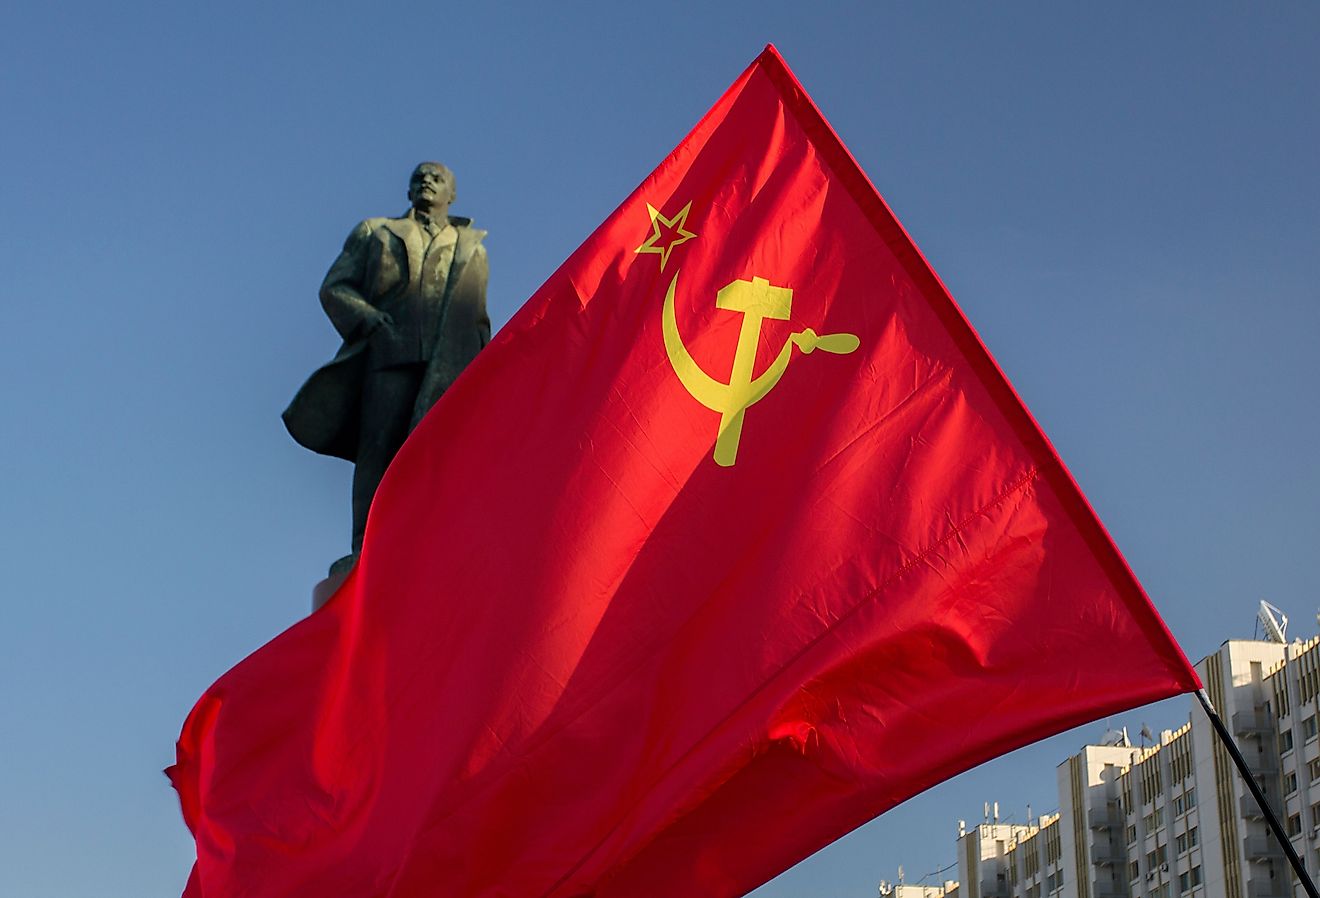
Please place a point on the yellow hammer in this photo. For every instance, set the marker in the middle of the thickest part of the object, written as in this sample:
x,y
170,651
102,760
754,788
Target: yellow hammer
x,y
757,300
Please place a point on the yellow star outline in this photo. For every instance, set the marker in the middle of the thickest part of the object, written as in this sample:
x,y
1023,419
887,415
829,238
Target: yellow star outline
x,y
661,242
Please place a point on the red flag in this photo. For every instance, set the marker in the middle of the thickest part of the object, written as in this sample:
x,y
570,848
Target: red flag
x,y
733,538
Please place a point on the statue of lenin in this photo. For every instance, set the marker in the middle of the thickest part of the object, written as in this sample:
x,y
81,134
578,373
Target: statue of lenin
x,y
408,296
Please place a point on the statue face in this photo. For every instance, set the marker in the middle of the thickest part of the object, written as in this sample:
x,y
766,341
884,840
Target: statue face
x,y
431,185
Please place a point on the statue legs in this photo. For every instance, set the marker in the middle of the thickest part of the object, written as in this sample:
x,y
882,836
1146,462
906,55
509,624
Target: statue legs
x,y
388,397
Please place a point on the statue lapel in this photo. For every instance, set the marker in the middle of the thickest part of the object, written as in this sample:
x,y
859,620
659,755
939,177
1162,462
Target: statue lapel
x,y
468,239
407,230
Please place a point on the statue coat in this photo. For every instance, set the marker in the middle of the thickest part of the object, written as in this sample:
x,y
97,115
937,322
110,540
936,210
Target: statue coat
x,y
382,268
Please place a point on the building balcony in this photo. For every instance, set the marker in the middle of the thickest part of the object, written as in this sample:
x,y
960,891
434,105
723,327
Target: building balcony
x,y
1107,855
1252,723
1109,889
1251,811
1262,762
1260,848
994,888
1260,887
1104,817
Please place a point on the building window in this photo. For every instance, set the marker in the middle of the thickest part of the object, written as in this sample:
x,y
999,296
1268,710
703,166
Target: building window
x,y
1189,880
1308,728
1183,844
1191,837
1132,832
1134,871
1159,856
1295,825
1285,741
1289,783
1315,814
1184,803
1313,767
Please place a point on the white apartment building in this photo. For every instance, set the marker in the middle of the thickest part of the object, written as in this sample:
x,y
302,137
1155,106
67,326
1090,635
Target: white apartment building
x,y
902,890
999,860
1174,820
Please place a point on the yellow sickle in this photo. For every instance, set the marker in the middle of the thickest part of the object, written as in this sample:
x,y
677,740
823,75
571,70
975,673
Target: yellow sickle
x,y
757,300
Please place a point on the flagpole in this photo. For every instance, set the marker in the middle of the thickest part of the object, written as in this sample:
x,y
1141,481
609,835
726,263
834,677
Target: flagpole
x,y
1275,827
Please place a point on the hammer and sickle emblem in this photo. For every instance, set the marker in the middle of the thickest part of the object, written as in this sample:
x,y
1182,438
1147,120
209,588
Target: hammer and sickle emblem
x,y
757,299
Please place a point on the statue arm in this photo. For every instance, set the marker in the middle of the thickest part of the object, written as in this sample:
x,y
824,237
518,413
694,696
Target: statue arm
x,y
480,268
341,291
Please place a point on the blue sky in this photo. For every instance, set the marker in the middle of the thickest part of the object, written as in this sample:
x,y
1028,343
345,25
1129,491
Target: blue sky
x,y
1124,201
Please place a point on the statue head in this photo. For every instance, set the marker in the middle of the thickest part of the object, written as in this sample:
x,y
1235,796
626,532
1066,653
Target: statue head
x,y
431,188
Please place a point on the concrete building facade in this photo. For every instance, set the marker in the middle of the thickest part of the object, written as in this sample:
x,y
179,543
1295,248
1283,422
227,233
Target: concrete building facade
x,y
1174,820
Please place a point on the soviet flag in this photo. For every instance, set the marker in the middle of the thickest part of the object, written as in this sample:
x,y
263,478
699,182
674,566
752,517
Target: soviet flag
x,y
734,538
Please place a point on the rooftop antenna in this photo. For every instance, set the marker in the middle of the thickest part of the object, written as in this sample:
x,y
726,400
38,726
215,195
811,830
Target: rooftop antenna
x,y
1115,737
986,815
1028,815
1274,621
1146,735
900,874
962,828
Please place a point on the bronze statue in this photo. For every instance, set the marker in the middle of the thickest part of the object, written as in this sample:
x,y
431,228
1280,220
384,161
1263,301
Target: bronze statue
x,y
408,296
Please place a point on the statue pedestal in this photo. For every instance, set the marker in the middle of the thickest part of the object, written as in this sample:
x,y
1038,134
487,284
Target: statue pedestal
x,y
339,572
322,591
